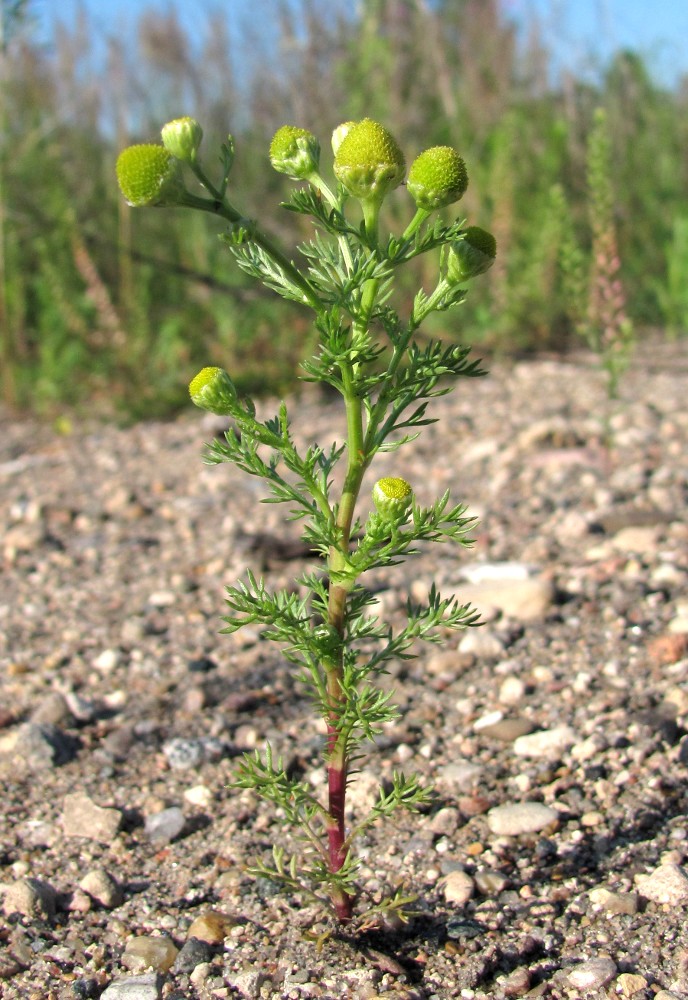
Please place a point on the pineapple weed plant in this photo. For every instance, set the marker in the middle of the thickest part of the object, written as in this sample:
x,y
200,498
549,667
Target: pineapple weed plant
x,y
385,376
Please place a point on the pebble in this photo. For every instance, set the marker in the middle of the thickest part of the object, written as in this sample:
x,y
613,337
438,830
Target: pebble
x,y
458,887
103,888
164,826
147,952
524,600
520,817
134,988
593,974
194,952
629,983
43,746
81,817
108,660
490,882
213,926
30,897
444,822
548,743
512,691
481,643
506,730
615,902
666,884
517,983
247,983
460,774
199,795
183,754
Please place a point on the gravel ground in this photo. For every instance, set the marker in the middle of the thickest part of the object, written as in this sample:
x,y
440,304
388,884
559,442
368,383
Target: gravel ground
x,y
553,861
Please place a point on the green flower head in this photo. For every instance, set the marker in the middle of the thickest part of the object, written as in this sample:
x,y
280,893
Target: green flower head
x,y
181,138
212,389
150,175
368,162
472,255
295,152
392,497
437,178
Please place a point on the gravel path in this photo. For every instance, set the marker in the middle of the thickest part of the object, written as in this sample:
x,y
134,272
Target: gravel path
x,y
554,859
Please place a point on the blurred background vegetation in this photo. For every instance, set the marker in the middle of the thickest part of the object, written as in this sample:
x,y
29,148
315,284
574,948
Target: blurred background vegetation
x,y
113,309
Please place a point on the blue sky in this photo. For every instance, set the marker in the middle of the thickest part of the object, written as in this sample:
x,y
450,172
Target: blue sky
x,y
581,33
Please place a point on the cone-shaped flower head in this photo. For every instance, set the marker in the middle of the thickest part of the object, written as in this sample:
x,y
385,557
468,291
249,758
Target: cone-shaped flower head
x,y
212,389
182,137
437,178
294,152
471,256
339,134
368,162
150,175
392,497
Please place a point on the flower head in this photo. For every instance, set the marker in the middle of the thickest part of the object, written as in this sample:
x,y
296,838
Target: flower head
x,y
368,162
392,497
472,255
294,152
182,137
212,389
437,178
149,175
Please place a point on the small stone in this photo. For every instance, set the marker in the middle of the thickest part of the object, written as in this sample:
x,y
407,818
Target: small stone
x,y
668,995
593,974
43,746
134,988
247,983
103,888
213,926
30,897
462,774
52,710
629,983
549,743
146,952
194,952
507,730
107,660
162,827
482,643
458,887
666,884
444,822
512,691
520,817
199,795
81,817
517,983
491,882
183,754
615,902
522,599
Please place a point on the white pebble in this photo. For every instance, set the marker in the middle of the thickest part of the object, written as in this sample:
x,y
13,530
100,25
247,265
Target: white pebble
x,y
592,975
520,817
666,884
545,743
458,887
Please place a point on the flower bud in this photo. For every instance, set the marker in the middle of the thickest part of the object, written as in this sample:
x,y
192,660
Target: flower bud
x,y
294,152
368,162
339,134
181,138
212,389
150,175
392,497
437,178
471,256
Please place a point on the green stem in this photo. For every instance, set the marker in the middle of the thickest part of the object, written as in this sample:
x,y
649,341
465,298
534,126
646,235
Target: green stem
x,y
219,206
